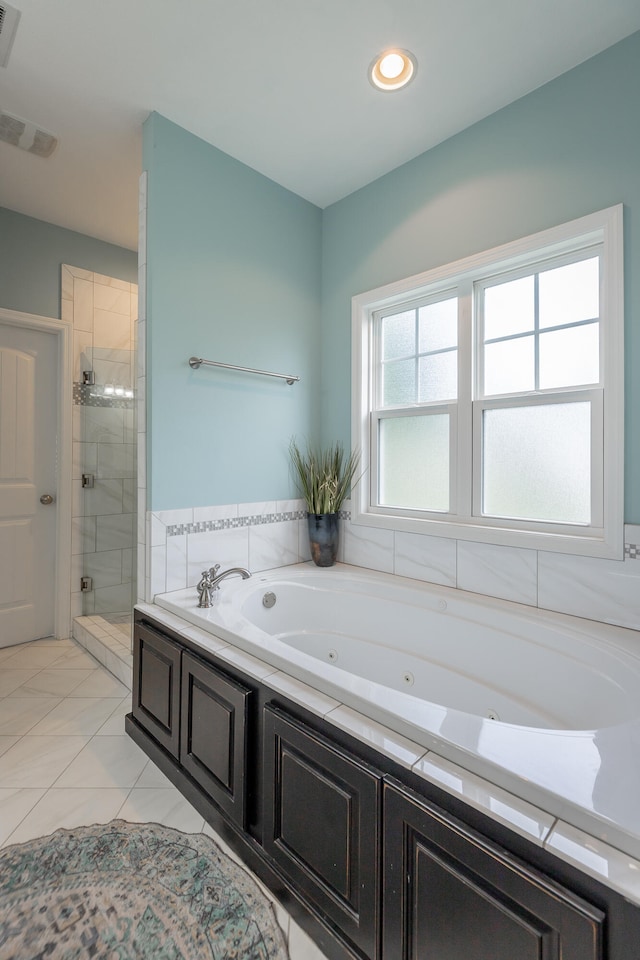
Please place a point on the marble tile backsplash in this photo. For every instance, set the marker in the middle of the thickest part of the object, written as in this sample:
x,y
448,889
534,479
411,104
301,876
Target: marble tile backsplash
x,y
262,536
604,590
496,571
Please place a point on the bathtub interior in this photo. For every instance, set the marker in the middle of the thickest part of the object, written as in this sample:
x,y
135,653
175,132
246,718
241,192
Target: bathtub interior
x,y
408,647
503,666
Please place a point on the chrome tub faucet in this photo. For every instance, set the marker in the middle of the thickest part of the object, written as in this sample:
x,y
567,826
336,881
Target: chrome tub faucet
x,y
211,580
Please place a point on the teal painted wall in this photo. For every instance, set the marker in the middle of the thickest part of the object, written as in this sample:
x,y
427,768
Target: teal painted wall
x,y
233,275
31,253
565,150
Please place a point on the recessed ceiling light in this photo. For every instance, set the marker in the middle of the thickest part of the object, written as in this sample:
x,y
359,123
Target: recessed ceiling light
x,y
393,69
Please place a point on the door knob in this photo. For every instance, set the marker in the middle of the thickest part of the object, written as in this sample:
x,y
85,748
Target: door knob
x,y
46,498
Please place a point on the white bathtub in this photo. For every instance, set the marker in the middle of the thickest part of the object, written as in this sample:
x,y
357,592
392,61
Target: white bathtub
x,y
544,705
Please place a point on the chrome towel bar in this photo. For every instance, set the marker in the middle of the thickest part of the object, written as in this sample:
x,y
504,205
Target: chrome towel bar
x,y
195,362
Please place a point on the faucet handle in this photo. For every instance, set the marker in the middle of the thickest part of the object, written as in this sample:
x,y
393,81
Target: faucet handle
x,y
213,570
203,586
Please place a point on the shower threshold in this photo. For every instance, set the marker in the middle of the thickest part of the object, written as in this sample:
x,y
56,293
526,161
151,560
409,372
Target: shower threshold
x,y
107,637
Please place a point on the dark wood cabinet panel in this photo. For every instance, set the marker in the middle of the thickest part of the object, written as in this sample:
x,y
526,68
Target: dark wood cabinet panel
x,y
301,783
456,915
372,862
321,825
156,687
451,894
213,747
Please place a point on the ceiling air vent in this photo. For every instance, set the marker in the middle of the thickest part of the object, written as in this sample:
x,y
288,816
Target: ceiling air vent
x,y
26,135
9,18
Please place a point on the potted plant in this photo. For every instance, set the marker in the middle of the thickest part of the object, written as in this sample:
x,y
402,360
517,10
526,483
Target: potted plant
x,y
324,478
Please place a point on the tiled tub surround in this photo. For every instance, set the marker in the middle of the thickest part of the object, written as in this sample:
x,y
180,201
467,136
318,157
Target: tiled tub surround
x,y
572,792
262,536
104,312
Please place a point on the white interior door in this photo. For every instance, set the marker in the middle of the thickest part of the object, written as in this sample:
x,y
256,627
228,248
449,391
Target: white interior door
x,y
28,421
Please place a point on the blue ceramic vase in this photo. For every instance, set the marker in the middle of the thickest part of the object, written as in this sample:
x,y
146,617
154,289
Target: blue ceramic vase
x,y
323,538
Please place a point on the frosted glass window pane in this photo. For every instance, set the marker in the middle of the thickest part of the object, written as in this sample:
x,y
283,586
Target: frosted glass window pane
x,y
570,294
509,308
398,382
399,335
537,462
414,462
438,376
438,325
509,366
570,357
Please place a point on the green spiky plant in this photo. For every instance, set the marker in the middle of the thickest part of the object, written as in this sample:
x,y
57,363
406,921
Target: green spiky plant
x,y
324,477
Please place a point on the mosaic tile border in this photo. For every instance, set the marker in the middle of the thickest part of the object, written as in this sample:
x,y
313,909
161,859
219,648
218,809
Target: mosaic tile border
x,y
232,523
631,550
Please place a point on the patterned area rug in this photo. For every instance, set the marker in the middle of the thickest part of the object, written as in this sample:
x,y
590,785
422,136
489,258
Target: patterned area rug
x,y
126,891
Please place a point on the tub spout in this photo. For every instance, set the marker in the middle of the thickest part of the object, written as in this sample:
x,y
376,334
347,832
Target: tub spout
x,y
217,578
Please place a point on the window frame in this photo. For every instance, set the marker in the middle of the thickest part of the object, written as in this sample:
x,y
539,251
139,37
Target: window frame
x,y
605,536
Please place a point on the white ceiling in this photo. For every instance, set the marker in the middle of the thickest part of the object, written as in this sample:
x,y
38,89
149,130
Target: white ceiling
x,y
279,84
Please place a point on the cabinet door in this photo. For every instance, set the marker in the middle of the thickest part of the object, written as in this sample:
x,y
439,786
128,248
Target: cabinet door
x,y
321,823
156,686
450,894
214,731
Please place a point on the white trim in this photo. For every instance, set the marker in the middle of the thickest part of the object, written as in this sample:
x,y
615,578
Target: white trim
x,y
613,378
604,229
63,331
592,229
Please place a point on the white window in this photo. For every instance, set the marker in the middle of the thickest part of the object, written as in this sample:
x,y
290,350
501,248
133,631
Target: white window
x,y
488,395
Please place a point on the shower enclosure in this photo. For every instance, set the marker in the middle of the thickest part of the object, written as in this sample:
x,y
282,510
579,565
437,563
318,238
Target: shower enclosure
x,y
104,529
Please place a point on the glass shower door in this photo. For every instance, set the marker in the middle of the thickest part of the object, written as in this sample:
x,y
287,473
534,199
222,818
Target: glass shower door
x,y
107,495
104,470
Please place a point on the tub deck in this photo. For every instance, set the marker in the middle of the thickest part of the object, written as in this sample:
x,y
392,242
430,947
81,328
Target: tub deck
x,y
583,777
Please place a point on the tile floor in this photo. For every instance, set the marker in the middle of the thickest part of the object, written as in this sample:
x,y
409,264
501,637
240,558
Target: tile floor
x,y
65,759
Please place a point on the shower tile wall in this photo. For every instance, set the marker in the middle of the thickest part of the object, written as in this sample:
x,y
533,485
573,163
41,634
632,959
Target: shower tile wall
x,y
103,311
141,384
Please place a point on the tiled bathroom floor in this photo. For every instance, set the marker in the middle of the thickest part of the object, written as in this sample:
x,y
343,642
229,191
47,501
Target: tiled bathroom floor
x,y
66,761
